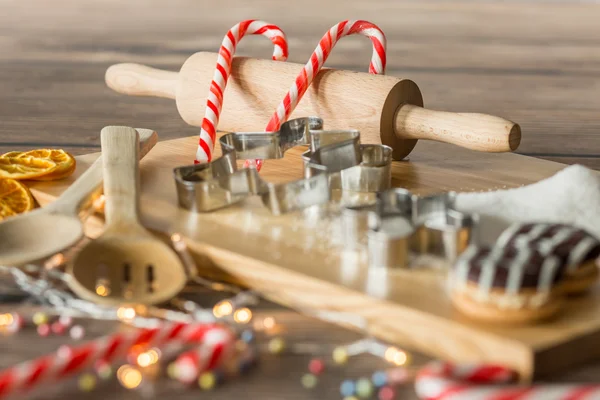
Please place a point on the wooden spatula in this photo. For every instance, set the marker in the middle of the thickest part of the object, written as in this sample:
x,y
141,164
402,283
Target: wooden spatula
x,y
126,264
46,231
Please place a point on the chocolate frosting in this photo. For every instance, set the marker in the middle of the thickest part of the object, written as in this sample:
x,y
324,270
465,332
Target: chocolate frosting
x,y
533,264
530,255
564,247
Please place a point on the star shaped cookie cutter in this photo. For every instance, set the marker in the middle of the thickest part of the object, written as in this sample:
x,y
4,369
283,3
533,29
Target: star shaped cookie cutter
x,y
335,160
400,224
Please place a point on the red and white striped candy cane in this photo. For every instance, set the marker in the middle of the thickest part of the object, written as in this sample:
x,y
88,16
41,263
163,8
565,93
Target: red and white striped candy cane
x,y
191,364
314,65
214,339
214,101
446,381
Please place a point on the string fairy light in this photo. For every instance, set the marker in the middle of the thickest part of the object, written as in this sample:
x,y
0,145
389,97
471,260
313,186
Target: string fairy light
x,y
242,315
147,358
6,320
129,376
126,313
223,309
49,289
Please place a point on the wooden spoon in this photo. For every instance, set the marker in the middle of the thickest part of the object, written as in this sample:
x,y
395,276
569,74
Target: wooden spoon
x,y
46,231
126,264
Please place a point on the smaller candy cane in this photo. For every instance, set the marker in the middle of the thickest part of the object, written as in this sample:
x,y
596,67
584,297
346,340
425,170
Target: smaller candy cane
x,y
189,365
445,381
214,101
314,65
213,339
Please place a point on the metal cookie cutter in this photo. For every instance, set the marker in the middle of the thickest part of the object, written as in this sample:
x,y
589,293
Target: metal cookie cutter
x,y
400,224
328,152
218,184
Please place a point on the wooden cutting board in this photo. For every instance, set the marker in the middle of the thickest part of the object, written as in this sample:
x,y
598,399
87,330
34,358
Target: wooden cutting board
x,y
297,259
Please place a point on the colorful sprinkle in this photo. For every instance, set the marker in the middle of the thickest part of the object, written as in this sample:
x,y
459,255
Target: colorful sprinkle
x,y
397,376
386,393
43,330
64,352
340,355
309,381
347,388
316,366
247,336
207,381
276,345
65,320
40,318
87,382
379,378
57,328
172,370
364,388
77,332
103,369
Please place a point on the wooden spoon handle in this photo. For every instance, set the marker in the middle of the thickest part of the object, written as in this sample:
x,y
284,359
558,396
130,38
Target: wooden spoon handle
x,y
140,80
479,132
120,148
89,183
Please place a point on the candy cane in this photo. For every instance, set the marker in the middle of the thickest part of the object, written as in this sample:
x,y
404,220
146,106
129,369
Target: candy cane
x,y
314,65
214,340
214,102
191,364
445,381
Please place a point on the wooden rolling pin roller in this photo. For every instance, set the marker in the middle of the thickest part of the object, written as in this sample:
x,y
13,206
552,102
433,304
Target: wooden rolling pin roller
x,y
384,109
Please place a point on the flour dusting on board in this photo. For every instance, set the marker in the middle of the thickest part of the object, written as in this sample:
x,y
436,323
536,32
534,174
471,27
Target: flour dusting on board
x,y
571,196
315,229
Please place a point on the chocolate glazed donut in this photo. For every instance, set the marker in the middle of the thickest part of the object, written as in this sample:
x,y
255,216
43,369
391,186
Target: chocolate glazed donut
x,y
516,285
524,276
576,248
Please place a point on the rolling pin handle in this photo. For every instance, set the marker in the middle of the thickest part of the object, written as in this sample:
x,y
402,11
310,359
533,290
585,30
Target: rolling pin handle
x,y
479,132
140,80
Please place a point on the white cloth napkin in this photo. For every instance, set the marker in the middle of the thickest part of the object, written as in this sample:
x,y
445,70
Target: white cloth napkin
x,y
571,196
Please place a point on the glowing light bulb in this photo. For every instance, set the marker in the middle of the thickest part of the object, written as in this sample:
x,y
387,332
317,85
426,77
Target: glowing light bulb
x,y
143,360
126,313
400,358
102,290
395,356
222,309
148,358
129,376
6,320
242,316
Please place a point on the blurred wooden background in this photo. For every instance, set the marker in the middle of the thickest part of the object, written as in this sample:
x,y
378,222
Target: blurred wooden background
x,y
534,62
537,63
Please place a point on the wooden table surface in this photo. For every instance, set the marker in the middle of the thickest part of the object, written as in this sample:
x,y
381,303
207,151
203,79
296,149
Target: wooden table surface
x,y
536,63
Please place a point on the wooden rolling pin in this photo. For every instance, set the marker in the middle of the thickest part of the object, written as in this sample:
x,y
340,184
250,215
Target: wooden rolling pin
x,y
384,109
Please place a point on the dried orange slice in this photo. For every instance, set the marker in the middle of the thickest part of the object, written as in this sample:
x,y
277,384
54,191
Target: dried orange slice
x,y
12,154
25,167
15,198
64,163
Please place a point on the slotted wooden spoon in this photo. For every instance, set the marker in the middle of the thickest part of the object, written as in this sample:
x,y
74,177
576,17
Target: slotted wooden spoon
x,y
126,264
46,231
